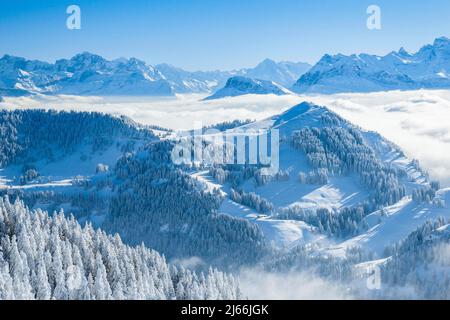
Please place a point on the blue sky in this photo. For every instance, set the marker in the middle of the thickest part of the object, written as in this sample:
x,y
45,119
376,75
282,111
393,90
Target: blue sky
x,y
210,34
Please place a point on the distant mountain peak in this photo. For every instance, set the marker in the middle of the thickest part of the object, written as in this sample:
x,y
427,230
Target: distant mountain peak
x,y
85,55
284,73
11,58
239,85
267,62
87,73
402,51
441,41
367,73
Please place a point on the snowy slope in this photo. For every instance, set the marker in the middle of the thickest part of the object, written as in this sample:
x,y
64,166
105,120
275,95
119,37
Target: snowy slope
x,y
428,68
73,173
63,165
395,223
182,81
80,164
237,86
280,233
84,74
284,73
340,191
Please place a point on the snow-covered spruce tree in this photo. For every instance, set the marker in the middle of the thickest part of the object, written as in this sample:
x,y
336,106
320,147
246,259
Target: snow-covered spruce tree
x,y
252,200
340,151
426,194
237,174
302,258
318,176
418,266
83,202
343,223
43,257
149,199
227,125
29,135
337,149
161,205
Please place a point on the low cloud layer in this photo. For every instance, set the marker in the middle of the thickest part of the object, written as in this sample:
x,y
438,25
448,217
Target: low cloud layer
x,y
260,285
415,120
183,112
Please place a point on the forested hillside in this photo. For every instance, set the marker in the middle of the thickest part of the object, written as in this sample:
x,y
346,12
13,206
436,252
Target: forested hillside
x,y
164,207
53,257
343,198
31,135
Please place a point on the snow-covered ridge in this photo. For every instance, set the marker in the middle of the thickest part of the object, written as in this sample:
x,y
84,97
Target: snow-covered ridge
x,y
283,73
239,85
91,74
428,68
84,74
290,194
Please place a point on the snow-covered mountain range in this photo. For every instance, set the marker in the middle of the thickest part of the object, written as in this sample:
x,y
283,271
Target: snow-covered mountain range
x,y
90,74
398,70
284,73
84,74
239,85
